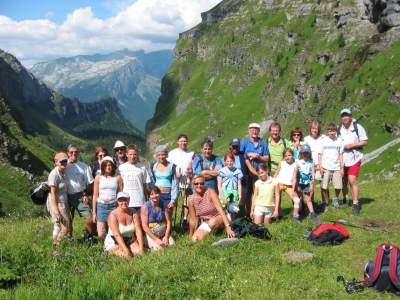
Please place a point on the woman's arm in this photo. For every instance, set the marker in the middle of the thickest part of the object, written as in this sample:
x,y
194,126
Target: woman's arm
x,y
95,197
145,224
217,204
53,202
192,218
120,184
138,233
113,224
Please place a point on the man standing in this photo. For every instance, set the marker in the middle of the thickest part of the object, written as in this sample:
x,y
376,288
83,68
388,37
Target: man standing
x,y
354,139
255,151
135,179
79,179
119,153
276,147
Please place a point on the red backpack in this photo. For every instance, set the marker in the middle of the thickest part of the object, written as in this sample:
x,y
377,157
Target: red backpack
x,y
328,234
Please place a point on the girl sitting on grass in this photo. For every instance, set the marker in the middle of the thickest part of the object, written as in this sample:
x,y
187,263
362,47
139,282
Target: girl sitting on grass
x,y
230,185
156,221
124,237
286,176
266,191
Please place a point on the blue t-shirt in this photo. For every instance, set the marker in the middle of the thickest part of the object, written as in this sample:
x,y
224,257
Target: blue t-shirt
x,y
230,178
200,163
305,171
247,146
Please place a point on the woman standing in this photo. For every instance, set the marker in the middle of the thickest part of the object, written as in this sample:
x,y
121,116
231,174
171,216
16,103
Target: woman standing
x,y
99,153
124,237
204,205
105,189
164,177
57,201
156,221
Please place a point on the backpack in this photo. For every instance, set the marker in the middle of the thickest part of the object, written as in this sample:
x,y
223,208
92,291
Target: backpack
x,y
40,193
328,234
355,126
383,273
244,226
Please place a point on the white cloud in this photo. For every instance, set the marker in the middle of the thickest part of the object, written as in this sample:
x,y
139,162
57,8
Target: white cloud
x,y
145,24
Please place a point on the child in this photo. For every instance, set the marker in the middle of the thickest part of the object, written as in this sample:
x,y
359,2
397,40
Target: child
x,y
286,175
230,185
263,205
331,165
306,171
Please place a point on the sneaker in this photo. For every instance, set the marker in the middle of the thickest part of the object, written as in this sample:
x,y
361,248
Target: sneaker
x,y
314,219
356,209
297,219
336,203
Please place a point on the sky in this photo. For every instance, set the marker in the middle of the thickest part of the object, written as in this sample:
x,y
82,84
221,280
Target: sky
x,y
42,30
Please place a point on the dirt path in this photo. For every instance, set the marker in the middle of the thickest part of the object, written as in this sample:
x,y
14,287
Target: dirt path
x,y
374,154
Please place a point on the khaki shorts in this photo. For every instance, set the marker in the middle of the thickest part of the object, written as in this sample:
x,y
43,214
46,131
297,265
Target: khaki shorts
x,y
65,213
333,176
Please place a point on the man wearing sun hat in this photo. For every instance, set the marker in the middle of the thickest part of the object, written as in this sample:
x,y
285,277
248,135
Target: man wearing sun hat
x,y
255,151
119,153
354,139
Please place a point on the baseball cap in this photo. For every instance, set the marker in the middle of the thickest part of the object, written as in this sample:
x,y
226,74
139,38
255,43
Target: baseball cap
x,y
235,142
119,144
123,195
345,111
60,157
108,158
305,148
254,125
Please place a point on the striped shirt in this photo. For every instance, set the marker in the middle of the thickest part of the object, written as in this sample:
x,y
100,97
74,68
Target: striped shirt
x,y
203,206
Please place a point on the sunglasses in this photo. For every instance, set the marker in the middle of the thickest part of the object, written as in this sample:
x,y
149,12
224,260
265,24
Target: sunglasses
x,y
296,134
198,183
119,149
73,152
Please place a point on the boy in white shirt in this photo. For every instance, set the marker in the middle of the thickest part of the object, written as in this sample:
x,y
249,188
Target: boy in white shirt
x,y
330,159
135,179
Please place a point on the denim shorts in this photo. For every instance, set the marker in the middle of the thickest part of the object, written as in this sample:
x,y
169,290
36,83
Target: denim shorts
x,y
165,199
103,210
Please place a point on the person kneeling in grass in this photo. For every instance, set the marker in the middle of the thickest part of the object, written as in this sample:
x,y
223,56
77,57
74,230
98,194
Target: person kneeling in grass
x,y
264,198
204,205
286,175
124,237
156,221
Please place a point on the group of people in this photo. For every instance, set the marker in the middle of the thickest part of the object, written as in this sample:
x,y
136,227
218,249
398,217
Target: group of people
x,y
133,207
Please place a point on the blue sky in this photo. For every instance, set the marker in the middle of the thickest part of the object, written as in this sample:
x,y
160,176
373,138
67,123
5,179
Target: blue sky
x,y
57,11
42,30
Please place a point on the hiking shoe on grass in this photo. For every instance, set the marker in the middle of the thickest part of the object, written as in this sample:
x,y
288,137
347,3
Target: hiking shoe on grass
x,y
355,210
297,219
336,203
314,219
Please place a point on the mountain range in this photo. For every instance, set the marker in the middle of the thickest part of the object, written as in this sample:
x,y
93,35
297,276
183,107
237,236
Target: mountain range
x,y
289,61
131,77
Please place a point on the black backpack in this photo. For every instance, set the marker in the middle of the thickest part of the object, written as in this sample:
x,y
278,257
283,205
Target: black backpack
x,y
40,193
328,234
383,273
244,226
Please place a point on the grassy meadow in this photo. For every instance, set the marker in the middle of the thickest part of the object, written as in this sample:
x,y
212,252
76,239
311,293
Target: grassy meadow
x,y
250,269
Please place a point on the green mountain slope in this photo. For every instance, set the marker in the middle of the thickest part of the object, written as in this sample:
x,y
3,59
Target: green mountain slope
x,y
277,60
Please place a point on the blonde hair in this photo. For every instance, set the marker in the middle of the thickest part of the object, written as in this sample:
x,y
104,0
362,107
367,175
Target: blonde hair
x,y
198,176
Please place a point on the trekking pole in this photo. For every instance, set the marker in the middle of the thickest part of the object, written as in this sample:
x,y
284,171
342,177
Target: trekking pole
x,y
369,226
184,204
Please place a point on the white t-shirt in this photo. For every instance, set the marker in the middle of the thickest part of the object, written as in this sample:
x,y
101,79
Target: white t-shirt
x,y
331,150
134,176
180,158
286,172
349,136
315,145
78,176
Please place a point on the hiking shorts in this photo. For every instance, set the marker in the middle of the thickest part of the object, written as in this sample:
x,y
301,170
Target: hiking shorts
x,y
264,211
353,170
64,212
75,202
333,176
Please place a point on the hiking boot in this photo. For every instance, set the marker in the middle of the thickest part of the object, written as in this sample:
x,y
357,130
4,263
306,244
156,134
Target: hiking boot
x,y
297,219
336,203
355,210
314,219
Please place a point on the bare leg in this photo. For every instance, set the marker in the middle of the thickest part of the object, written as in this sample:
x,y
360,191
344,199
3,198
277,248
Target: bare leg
x,y
89,225
101,229
214,223
309,202
267,220
325,196
354,188
257,219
